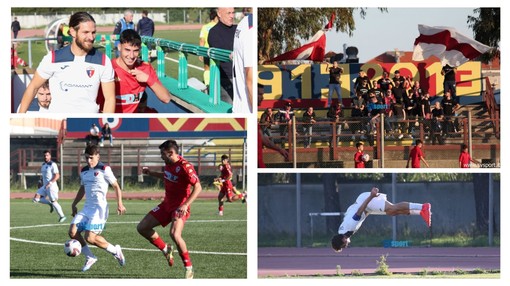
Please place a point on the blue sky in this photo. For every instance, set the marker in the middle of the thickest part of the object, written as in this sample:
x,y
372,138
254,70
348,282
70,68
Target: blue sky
x,y
380,32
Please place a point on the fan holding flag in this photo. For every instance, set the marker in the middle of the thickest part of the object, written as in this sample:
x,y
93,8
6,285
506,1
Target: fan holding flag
x,y
450,46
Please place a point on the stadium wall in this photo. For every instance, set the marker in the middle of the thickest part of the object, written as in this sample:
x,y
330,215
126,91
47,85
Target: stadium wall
x,y
307,84
453,207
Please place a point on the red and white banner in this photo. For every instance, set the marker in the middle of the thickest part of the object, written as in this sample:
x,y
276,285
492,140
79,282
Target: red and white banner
x,y
450,46
329,25
314,50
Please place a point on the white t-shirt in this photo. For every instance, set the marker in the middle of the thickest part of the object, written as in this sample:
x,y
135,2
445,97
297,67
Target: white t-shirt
x,y
242,58
96,181
351,222
48,170
75,80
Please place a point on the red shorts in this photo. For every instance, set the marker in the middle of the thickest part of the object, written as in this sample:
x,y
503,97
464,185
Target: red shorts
x,y
165,215
227,188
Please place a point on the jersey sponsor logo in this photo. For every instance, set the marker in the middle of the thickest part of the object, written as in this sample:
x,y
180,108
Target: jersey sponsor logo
x,y
90,71
171,177
128,98
65,86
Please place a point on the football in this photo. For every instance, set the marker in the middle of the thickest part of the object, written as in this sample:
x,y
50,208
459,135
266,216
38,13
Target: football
x,y
72,248
365,157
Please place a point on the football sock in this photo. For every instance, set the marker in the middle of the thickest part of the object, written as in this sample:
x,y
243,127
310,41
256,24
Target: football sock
x,y
415,209
159,243
58,208
111,249
86,250
220,208
185,259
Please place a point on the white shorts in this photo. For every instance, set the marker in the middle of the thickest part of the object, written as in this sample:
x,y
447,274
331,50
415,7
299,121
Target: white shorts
x,y
376,206
91,219
51,193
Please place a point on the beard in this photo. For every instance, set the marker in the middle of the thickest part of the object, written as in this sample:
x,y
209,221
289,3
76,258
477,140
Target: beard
x,y
82,45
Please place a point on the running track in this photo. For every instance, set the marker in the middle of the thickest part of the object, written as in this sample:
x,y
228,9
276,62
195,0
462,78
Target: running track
x,y
324,261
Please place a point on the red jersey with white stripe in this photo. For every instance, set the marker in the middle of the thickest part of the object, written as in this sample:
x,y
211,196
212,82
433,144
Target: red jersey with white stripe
x,y
179,177
128,91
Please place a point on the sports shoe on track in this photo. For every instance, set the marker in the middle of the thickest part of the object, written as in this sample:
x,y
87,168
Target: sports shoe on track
x,y
426,214
62,219
120,256
169,255
88,263
245,196
189,273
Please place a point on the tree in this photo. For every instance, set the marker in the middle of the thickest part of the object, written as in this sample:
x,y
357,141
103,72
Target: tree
x,y
487,29
280,29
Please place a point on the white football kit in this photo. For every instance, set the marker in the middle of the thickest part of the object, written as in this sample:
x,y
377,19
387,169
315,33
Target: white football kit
x,y
352,222
75,80
94,214
242,58
48,170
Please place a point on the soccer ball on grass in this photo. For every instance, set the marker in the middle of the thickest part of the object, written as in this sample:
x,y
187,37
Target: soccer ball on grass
x,y
72,248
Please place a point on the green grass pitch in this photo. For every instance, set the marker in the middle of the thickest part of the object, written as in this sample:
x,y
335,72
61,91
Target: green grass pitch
x,y
217,245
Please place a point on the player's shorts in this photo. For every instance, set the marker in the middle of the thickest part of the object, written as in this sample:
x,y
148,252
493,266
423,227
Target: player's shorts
x,y
91,219
376,206
227,189
51,192
165,215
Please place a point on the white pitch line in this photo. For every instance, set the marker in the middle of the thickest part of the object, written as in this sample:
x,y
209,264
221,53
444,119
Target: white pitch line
x,y
189,65
125,248
126,222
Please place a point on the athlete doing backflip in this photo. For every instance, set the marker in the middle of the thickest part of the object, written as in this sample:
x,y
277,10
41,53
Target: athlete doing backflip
x,y
374,203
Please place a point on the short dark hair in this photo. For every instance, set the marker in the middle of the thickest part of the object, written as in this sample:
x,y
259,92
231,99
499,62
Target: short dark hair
x,y
213,13
224,157
78,18
130,36
463,146
169,144
418,141
92,149
45,85
338,243
48,151
145,12
359,144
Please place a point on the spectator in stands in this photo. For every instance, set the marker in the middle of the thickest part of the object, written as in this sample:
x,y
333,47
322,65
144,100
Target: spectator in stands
x,y
106,133
222,36
384,82
436,127
266,121
389,119
15,27
145,26
362,83
398,89
424,112
358,111
334,81
449,83
94,135
263,141
411,109
336,117
123,24
308,121
375,108
377,91
203,42
450,106
416,156
285,117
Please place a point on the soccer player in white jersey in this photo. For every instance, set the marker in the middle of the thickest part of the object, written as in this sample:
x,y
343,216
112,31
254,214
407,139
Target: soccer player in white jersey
x,y
48,186
75,73
374,203
242,68
95,178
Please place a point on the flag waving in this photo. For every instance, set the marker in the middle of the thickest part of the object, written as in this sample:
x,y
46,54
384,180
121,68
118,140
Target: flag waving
x,y
450,46
314,50
329,25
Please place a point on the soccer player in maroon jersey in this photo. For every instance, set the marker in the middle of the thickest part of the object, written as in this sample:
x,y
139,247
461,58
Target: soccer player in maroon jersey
x,y
416,155
179,175
227,189
358,156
